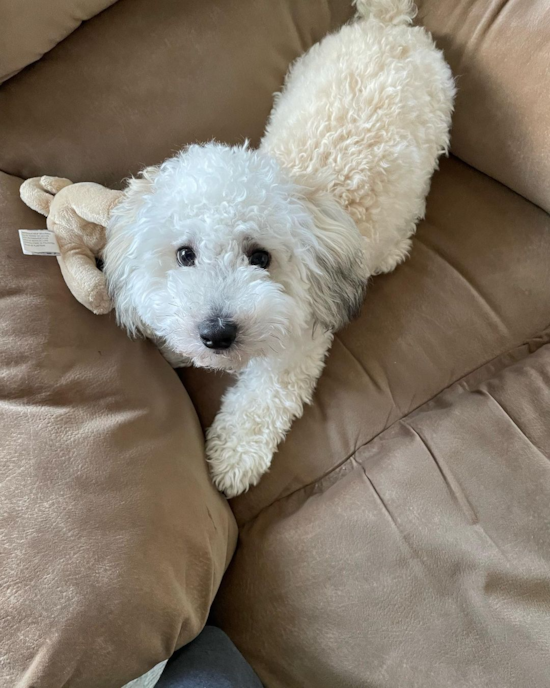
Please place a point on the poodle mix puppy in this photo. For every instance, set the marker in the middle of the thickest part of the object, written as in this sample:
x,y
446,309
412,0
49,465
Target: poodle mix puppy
x,y
249,260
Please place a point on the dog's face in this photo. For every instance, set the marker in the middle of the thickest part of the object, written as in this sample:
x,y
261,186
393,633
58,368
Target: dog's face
x,y
216,253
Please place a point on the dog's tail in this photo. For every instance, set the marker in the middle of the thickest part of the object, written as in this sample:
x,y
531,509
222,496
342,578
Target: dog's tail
x,y
38,192
387,11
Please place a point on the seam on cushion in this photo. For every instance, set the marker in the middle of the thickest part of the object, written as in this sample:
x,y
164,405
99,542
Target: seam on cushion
x,y
540,339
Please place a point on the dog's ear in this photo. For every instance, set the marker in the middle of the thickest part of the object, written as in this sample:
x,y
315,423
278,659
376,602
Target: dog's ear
x,y
336,269
120,267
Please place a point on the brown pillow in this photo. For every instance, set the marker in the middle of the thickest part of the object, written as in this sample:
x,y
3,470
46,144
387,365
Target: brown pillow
x,y
29,31
113,540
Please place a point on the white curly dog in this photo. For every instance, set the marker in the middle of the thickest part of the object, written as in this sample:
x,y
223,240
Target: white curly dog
x,y
249,260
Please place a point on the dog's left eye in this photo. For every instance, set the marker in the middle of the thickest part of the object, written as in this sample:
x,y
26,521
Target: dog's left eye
x,y
185,256
260,258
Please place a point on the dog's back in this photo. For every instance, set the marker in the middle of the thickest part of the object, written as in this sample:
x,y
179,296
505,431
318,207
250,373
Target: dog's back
x,y
367,112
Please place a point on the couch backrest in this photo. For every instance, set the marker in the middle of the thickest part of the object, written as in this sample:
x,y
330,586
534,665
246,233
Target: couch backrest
x,y
29,29
142,79
500,55
139,81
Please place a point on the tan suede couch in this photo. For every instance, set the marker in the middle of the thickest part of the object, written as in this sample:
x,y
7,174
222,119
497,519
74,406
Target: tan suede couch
x,y
402,537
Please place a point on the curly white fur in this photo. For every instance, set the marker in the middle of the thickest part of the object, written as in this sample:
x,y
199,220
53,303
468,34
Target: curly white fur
x,y
369,107
333,194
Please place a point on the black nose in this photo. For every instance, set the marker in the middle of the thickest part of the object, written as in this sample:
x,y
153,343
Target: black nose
x,y
218,333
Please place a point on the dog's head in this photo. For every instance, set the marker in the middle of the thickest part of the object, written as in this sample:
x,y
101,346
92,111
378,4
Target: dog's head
x,y
220,255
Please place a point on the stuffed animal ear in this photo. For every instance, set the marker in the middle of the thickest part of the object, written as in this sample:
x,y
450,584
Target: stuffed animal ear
x,y
119,266
337,273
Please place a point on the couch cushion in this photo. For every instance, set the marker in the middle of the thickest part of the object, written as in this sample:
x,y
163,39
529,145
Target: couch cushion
x,y
144,78
499,53
423,561
401,536
113,538
29,28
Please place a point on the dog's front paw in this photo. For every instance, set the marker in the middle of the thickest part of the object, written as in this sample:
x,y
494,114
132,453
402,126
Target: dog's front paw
x,y
236,462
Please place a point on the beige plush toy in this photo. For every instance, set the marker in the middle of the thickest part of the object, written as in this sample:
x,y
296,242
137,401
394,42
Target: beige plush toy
x,y
78,215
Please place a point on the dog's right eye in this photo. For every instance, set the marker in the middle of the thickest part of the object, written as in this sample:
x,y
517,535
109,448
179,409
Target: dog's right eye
x,y
260,258
185,256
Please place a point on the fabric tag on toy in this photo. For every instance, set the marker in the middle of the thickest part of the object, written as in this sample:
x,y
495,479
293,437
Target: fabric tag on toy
x,y
38,242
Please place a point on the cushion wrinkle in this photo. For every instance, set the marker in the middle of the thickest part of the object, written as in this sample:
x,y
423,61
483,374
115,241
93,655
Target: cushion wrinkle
x,y
453,486
422,570
489,22
514,422
541,339
424,241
